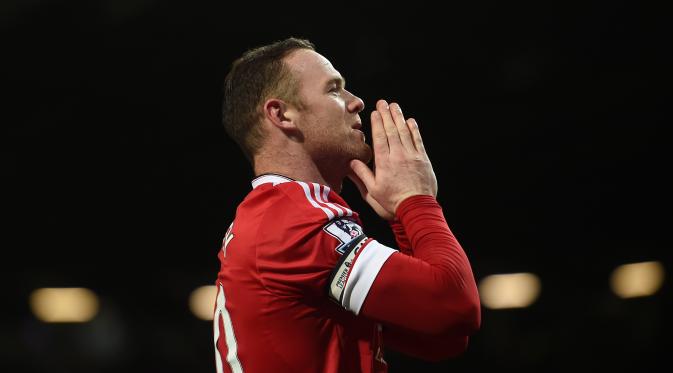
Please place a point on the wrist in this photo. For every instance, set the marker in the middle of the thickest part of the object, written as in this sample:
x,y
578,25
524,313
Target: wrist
x,y
412,200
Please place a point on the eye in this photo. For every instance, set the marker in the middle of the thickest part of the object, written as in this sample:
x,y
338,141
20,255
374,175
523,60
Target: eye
x,y
335,89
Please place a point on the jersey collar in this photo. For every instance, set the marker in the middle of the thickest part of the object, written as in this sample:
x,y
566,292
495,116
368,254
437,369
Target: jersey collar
x,y
269,178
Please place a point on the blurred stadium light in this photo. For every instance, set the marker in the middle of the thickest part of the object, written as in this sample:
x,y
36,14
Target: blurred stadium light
x,y
637,279
202,302
56,305
515,290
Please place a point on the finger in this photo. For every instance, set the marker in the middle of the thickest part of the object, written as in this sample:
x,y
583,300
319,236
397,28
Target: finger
x,y
359,184
379,138
365,175
389,125
402,127
416,134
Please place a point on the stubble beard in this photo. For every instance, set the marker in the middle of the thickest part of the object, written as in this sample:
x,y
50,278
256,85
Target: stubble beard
x,y
337,158
356,149
363,153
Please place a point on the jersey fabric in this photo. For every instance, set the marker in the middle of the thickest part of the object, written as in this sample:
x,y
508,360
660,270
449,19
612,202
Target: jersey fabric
x,y
296,268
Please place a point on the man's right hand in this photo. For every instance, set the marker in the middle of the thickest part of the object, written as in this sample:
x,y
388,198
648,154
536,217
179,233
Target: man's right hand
x,y
402,166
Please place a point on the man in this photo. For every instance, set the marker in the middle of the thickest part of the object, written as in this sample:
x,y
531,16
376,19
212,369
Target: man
x,y
301,287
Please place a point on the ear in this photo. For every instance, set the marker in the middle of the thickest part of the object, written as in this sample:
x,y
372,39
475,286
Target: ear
x,y
280,114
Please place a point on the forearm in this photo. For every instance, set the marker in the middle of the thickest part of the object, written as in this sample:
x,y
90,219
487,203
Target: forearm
x,y
432,291
403,244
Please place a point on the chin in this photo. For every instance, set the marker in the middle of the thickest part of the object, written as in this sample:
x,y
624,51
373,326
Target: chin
x,y
342,155
364,153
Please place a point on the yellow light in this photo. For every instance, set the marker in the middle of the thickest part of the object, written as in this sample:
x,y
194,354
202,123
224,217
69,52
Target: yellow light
x,y
64,304
637,279
202,302
515,290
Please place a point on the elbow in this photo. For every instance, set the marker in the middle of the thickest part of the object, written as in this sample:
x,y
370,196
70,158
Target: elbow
x,y
461,316
472,315
458,324
474,321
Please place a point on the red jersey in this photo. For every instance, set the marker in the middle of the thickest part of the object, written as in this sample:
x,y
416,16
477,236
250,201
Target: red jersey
x,y
296,269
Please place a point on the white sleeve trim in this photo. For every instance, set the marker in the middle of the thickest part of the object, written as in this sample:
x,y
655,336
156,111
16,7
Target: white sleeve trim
x,y
363,274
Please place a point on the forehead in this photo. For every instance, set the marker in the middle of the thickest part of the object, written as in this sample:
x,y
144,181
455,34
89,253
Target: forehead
x,y
310,66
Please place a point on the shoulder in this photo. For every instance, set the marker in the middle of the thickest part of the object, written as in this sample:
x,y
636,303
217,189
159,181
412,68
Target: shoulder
x,y
299,211
306,199
300,208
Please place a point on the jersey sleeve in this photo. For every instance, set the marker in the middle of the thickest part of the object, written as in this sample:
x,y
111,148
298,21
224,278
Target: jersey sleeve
x,y
431,291
356,271
303,238
307,246
403,244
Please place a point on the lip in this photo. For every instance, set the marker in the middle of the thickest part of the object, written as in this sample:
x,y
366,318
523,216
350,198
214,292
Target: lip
x,y
357,126
359,131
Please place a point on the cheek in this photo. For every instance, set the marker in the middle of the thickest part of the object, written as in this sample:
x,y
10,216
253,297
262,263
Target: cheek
x,y
329,116
334,104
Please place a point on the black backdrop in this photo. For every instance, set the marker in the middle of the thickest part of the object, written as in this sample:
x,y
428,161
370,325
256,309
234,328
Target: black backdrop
x,y
548,126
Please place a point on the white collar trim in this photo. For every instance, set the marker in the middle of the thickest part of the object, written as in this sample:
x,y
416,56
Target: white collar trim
x,y
269,178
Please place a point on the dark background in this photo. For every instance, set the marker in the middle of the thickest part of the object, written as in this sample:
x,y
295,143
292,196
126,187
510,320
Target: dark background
x,y
548,125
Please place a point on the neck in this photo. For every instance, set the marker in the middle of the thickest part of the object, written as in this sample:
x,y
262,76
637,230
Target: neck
x,y
299,166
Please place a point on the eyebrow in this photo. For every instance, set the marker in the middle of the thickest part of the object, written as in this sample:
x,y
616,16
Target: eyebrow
x,y
338,81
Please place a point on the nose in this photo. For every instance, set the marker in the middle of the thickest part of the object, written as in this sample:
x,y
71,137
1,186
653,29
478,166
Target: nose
x,y
355,105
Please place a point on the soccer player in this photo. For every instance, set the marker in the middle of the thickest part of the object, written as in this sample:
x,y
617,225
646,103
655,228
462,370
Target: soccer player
x,y
302,288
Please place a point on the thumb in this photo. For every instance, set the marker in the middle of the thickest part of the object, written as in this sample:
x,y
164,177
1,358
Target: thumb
x,y
363,173
358,183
